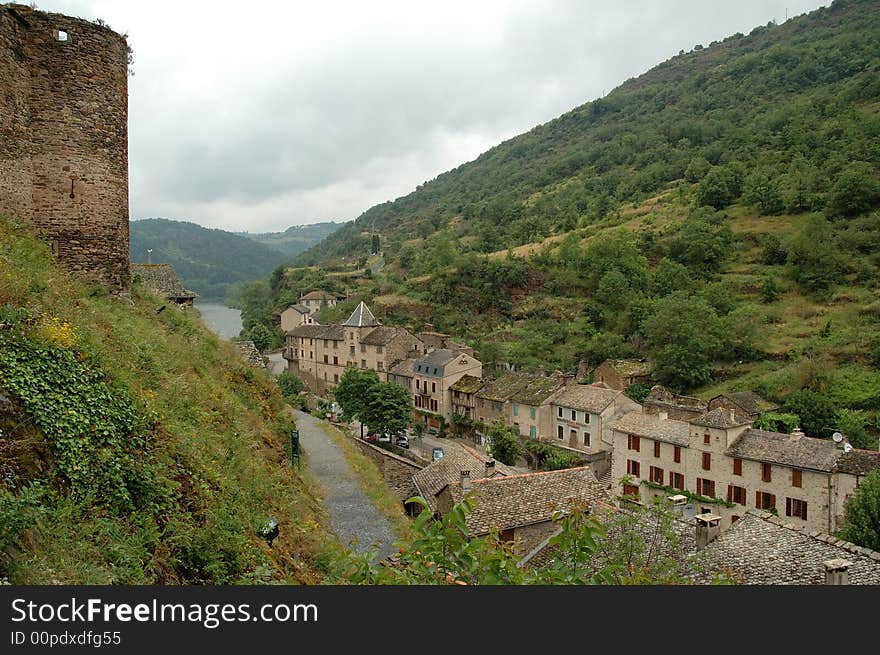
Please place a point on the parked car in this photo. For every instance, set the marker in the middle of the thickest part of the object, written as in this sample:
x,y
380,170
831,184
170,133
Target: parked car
x,y
436,454
371,437
385,438
402,440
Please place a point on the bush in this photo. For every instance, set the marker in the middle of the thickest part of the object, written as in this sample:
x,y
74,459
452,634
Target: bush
x,y
291,386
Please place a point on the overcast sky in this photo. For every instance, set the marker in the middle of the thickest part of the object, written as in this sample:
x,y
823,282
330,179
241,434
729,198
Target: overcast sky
x,y
258,116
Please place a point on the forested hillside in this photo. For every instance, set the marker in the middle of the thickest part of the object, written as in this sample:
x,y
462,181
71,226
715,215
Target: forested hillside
x,y
207,261
136,447
718,215
294,239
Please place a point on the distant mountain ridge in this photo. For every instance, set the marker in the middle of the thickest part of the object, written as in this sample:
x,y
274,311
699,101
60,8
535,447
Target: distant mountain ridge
x,y
296,238
206,260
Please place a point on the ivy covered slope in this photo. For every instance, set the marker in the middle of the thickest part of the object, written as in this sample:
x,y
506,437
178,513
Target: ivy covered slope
x,y
135,447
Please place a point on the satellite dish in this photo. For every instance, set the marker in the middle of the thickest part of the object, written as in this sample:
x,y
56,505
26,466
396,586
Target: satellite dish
x,y
837,437
847,447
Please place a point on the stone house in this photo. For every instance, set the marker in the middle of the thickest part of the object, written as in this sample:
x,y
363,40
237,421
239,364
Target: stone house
x,y
319,354
433,375
676,406
315,300
528,407
162,280
620,374
296,315
402,373
520,508
746,403
494,394
463,396
581,413
730,467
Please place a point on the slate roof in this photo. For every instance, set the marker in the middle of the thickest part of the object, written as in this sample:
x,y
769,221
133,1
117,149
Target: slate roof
x,y
536,391
447,470
749,402
382,335
302,309
719,418
777,448
652,427
162,280
318,295
438,358
586,397
361,317
501,389
467,384
334,332
518,500
858,461
630,367
761,549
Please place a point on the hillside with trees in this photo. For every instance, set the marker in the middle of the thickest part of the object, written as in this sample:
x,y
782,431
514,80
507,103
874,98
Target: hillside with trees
x,y
718,215
296,238
207,261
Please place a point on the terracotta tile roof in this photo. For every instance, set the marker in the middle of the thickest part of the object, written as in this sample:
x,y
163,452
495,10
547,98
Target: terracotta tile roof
x,y
748,401
586,397
776,448
519,500
467,384
501,389
536,391
447,470
318,295
858,461
762,549
162,280
651,426
719,418
382,335
361,317
333,332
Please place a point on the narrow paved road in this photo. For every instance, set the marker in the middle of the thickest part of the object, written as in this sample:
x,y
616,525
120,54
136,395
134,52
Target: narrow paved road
x,y
352,516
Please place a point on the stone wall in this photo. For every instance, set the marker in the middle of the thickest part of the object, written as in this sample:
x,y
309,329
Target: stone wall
x,y
397,471
64,137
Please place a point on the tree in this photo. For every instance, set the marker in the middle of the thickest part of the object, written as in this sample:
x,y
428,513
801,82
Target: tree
x,y
852,422
769,290
719,188
354,391
506,446
762,189
261,336
388,409
817,413
856,191
291,386
701,244
862,513
815,261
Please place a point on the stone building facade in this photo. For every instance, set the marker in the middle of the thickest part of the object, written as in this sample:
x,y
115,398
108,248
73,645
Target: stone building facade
x,y
582,412
64,137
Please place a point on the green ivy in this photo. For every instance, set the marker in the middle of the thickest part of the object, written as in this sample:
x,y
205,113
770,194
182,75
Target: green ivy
x,y
691,496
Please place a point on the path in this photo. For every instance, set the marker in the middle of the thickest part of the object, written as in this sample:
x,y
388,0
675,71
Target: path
x,y
277,364
352,515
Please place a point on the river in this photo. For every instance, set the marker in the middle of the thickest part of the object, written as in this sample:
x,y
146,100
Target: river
x,y
223,320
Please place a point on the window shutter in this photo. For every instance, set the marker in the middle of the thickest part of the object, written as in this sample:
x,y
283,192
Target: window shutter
x,y
772,501
758,499
729,493
788,506
699,486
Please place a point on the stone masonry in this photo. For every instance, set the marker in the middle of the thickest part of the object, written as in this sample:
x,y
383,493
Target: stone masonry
x,y
64,137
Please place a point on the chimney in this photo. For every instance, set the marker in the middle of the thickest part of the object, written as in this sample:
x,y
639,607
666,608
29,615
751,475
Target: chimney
x,y
796,434
732,415
662,415
465,480
708,527
837,571
490,468
678,502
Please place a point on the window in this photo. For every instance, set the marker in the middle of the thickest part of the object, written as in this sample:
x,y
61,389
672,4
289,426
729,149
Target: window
x,y
559,432
796,478
676,480
532,413
325,343
736,494
574,415
378,350
363,348
631,490
559,412
380,366
706,438
676,454
335,376
707,461
586,438
335,360
420,368
326,359
763,500
795,507
363,363
706,487
302,353
435,371
632,467
587,418
633,443
311,354
515,409
765,472
656,474
656,449
351,351
433,387
533,433
61,35
335,345
737,466
573,436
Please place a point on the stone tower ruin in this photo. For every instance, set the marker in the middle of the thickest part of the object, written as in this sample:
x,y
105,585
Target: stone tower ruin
x,y
64,137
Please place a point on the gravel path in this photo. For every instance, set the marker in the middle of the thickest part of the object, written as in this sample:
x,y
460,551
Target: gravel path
x,y
352,516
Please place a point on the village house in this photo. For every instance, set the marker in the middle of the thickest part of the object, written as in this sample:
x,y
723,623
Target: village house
x,y
528,408
748,404
660,399
620,374
296,315
402,373
520,508
463,396
319,354
433,375
315,300
162,280
493,395
727,466
581,413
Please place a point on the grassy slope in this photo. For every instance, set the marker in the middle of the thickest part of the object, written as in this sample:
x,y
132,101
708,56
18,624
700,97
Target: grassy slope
x,y
216,446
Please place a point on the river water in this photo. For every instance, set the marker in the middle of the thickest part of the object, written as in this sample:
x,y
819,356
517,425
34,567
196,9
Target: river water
x,y
223,320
